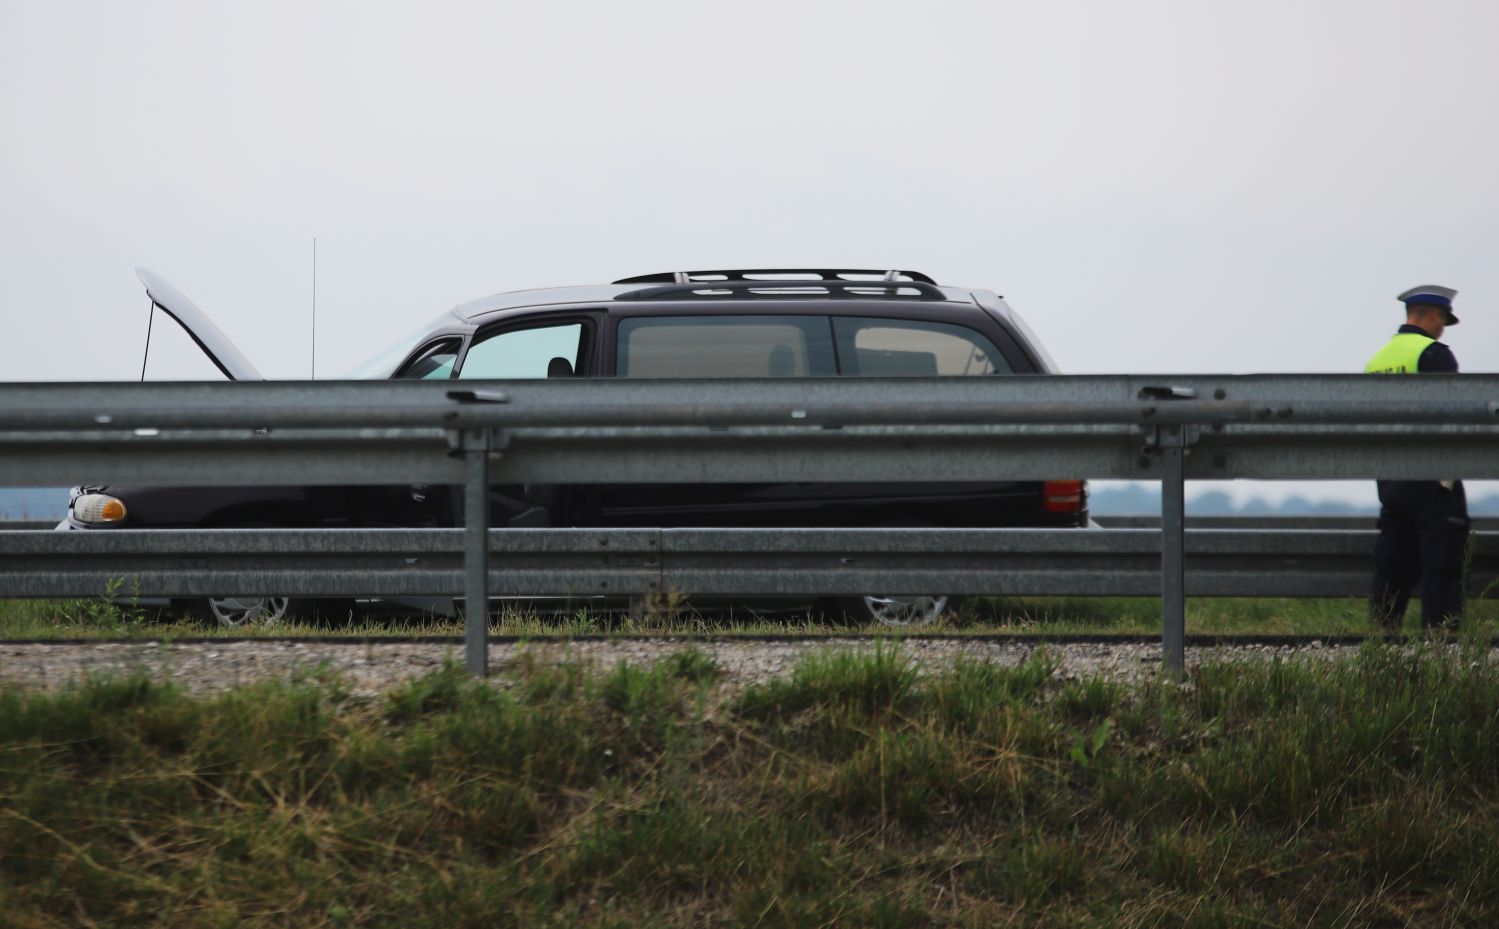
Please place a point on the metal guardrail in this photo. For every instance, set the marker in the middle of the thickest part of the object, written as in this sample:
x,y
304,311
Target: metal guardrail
x,y
1166,428
1114,521
704,562
1321,522
1291,427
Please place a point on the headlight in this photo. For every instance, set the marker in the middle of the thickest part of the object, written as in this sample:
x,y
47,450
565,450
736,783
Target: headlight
x,y
98,509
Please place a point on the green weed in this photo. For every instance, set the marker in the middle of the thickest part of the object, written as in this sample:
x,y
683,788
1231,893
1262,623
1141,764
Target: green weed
x,y
869,683
1362,791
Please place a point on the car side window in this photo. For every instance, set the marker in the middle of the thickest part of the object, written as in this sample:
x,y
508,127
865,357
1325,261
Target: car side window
x,y
536,352
870,347
433,363
725,346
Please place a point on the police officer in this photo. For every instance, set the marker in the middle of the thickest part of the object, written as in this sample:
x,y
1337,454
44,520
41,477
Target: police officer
x,y
1423,525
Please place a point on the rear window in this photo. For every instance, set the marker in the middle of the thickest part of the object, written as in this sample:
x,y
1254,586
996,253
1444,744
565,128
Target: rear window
x,y
725,346
877,347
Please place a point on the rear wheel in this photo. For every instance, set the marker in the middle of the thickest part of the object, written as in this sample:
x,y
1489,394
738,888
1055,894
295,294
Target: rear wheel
x,y
897,610
234,612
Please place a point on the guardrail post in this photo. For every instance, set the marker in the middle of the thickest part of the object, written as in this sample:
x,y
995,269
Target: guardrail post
x,y
476,444
1171,442
1173,560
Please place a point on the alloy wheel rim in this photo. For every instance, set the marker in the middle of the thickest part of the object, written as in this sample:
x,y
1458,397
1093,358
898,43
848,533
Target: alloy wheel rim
x,y
245,611
904,611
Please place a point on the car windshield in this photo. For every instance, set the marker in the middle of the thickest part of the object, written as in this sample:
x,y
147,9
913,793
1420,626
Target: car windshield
x,y
384,364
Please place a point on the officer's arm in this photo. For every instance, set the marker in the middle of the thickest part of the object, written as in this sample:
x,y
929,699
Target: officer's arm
x,y
1437,359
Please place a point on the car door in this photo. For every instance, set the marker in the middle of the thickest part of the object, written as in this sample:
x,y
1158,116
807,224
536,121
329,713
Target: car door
x,y
531,347
418,505
891,345
713,345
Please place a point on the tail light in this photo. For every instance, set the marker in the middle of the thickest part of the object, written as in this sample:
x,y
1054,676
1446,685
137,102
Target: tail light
x,y
1062,496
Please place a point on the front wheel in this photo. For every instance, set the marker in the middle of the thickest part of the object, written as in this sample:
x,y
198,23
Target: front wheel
x,y
241,612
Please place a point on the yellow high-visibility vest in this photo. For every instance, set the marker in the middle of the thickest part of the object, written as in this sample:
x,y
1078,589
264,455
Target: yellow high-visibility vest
x,y
1401,356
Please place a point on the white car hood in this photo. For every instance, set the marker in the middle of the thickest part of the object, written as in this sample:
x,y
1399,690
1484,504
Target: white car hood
x,y
199,327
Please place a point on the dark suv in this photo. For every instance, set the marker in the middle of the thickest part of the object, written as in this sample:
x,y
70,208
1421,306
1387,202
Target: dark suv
x,y
769,323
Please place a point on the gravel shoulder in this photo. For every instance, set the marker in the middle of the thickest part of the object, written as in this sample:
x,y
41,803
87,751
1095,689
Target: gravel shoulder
x,y
373,668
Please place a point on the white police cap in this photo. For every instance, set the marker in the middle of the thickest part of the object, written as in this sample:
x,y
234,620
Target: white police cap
x,y
1431,295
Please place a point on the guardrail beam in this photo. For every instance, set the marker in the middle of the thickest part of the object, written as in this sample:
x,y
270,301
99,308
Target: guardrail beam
x,y
595,563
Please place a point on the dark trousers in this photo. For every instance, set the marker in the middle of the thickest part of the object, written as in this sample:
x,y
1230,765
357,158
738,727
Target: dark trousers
x,y
1423,538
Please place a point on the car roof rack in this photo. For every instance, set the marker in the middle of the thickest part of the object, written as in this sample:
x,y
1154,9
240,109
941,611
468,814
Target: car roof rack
x,y
774,275
788,290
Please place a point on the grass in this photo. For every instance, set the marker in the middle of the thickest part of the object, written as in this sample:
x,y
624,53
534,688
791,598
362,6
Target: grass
x,y
852,792
119,617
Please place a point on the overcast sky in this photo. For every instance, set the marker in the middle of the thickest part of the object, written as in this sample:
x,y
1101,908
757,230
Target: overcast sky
x,y
1156,186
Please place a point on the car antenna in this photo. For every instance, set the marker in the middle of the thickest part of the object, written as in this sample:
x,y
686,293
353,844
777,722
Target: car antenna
x,y
313,361
150,316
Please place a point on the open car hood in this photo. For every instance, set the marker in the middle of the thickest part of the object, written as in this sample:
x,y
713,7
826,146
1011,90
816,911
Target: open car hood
x,y
199,327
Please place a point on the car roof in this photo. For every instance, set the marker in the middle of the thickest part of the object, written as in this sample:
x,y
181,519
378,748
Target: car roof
x,y
754,291
538,297
744,289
